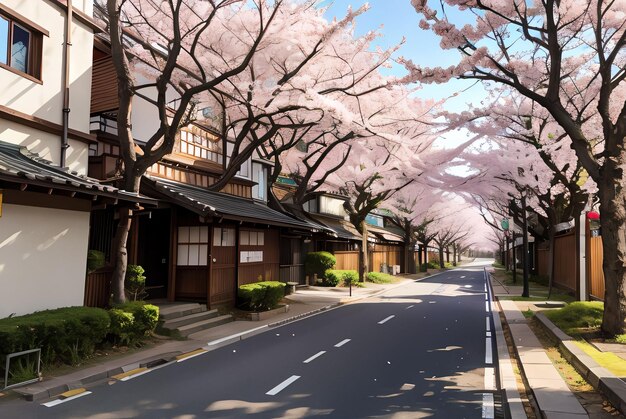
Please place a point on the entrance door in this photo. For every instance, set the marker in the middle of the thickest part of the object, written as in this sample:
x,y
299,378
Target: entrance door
x,y
223,259
153,250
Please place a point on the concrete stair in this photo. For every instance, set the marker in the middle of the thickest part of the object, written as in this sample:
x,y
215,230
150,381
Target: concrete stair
x,y
186,319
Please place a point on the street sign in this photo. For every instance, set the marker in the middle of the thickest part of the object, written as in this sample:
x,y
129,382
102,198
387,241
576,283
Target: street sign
x,y
505,224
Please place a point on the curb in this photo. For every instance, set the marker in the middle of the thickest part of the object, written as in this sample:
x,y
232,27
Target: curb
x,y
599,377
506,376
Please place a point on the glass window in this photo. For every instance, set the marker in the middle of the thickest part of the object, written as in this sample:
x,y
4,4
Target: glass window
x,y
259,176
223,236
19,48
193,246
4,40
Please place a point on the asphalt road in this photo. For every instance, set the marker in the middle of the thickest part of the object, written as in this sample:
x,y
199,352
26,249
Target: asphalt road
x,y
419,350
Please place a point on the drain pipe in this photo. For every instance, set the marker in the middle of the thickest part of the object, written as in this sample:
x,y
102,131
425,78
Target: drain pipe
x,y
66,84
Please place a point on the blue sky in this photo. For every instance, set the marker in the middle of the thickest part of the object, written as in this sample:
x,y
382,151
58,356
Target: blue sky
x,y
398,20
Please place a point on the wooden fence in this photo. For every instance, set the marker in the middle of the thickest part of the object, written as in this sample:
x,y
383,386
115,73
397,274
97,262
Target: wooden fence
x,y
347,260
595,275
98,288
565,261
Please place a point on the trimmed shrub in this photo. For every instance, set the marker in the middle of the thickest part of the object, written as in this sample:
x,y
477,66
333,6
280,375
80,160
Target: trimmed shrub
x,y
318,263
380,278
132,321
95,260
433,264
66,334
261,296
334,277
135,283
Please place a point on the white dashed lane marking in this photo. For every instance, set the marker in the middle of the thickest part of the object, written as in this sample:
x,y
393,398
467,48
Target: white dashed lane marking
x,y
282,385
343,342
317,355
383,321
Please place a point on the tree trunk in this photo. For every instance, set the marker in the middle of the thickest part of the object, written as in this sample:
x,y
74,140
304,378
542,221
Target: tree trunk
x,y
121,255
551,254
454,255
419,258
613,223
364,266
441,261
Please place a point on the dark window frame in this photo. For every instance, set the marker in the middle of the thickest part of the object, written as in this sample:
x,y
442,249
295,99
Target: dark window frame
x,y
35,46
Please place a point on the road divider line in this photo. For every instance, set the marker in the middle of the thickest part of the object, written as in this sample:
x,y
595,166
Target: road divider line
x,y
66,399
282,385
386,319
343,342
411,306
189,355
317,355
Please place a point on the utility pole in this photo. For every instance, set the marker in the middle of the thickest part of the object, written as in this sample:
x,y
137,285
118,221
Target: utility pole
x,y
525,258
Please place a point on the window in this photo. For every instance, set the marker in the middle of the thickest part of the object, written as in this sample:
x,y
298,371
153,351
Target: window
x,y
332,206
20,47
259,176
223,237
251,238
248,257
198,143
193,246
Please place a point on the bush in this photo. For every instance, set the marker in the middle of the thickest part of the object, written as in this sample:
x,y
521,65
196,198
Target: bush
x,y
135,283
132,321
95,260
261,296
334,277
64,335
380,278
318,263
433,264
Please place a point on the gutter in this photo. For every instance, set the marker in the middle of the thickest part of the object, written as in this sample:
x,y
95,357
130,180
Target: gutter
x,y
66,84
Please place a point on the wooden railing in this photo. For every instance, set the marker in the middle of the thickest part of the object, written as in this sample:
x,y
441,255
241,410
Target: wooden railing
x,y
98,288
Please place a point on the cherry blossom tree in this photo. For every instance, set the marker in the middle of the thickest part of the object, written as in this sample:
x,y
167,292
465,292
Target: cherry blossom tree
x,y
567,57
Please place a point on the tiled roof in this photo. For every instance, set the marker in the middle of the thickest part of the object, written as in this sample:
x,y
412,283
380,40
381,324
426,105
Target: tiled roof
x,y
19,165
341,229
231,207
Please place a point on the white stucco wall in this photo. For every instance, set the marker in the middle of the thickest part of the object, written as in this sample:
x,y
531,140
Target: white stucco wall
x,y
43,255
45,100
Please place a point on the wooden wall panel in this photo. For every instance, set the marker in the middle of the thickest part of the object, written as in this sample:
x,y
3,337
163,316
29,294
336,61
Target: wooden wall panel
x,y
594,272
104,95
347,260
191,282
222,286
565,261
98,288
269,269
543,261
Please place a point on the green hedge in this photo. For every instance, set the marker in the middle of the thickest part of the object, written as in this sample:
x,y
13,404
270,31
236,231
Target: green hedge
x,y
318,263
132,321
66,334
334,277
261,296
380,278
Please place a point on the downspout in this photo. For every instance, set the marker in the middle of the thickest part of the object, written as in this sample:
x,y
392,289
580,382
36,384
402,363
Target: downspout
x,y
66,84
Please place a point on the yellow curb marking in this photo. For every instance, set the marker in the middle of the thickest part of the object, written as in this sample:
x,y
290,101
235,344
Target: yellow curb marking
x,y
129,373
190,354
71,393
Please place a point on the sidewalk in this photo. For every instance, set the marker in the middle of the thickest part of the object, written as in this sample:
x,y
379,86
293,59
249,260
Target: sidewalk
x,y
304,302
552,394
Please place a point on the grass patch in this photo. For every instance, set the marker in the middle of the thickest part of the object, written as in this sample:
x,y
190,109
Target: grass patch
x,y
528,313
608,360
577,317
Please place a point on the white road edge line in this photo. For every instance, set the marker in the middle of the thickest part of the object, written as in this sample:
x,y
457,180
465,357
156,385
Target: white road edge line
x,y
488,353
386,319
59,401
317,355
488,324
236,335
490,379
488,406
487,306
130,377
343,342
187,358
282,385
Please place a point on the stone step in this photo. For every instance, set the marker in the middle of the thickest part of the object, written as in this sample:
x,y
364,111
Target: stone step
x,y
188,319
179,310
204,324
